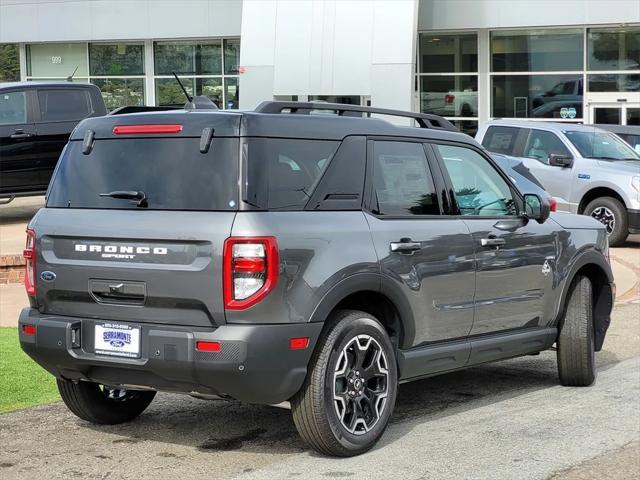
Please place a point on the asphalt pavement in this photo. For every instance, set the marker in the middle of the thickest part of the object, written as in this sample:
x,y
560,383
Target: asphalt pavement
x,y
503,420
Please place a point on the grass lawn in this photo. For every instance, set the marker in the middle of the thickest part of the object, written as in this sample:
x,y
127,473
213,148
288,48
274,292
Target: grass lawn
x,y
23,383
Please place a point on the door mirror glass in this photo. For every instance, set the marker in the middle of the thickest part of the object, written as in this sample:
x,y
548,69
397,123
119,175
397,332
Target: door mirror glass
x,y
535,208
559,160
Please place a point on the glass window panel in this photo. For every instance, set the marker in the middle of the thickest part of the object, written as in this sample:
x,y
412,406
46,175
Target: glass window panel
x,y
501,139
608,115
169,93
13,108
9,62
537,96
537,51
445,53
479,188
57,105
231,56
613,48
198,58
231,92
541,144
611,82
402,180
120,92
57,60
116,59
449,96
470,127
212,88
633,116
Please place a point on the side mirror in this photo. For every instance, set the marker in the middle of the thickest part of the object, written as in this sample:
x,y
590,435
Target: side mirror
x,y
558,160
536,208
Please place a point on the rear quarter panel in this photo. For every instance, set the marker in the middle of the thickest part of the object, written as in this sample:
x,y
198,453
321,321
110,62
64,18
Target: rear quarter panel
x,y
318,250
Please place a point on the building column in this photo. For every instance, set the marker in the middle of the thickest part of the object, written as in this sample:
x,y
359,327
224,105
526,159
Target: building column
x,y
149,72
22,56
484,81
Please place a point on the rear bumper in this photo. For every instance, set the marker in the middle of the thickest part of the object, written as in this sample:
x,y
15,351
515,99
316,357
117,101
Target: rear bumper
x,y
255,364
634,221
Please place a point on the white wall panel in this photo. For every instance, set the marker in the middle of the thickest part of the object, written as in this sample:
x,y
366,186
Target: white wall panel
x,y
87,20
478,14
329,47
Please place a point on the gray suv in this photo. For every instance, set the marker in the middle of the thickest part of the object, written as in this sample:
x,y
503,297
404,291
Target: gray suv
x,y
588,170
278,256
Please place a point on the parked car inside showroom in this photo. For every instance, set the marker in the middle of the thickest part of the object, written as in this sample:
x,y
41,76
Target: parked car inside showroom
x,y
586,169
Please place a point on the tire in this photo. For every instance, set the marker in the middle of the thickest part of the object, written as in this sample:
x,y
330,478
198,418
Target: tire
x,y
576,343
604,208
324,410
103,405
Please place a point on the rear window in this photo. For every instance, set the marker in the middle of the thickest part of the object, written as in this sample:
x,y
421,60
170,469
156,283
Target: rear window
x,y
500,139
171,172
58,105
282,173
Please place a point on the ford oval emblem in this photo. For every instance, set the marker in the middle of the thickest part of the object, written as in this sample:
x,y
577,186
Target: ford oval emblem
x,y
48,276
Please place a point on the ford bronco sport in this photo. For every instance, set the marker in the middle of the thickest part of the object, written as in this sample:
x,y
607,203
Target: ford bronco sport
x,y
281,256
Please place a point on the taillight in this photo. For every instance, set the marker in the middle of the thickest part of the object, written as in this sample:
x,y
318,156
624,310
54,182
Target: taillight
x,y
449,98
553,205
251,268
29,254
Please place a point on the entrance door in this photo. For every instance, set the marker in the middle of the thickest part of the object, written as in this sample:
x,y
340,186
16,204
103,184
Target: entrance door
x,y
615,112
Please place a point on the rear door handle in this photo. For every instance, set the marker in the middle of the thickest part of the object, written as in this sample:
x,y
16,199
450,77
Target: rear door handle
x,y
405,246
492,242
21,135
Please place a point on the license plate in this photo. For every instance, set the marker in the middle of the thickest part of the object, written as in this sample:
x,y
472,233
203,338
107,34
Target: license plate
x,y
117,340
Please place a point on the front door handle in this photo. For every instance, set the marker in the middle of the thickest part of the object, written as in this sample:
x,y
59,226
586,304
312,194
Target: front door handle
x,y
492,242
405,245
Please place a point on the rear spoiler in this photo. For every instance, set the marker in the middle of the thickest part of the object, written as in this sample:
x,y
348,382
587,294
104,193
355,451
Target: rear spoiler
x,y
141,108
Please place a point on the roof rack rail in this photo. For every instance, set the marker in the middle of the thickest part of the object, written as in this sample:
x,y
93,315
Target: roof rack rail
x,y
424,120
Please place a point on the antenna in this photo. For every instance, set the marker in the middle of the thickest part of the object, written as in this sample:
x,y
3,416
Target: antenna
x,y
70,77
189,97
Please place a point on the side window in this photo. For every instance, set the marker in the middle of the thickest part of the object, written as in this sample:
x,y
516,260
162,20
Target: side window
x,y
13,108
63,104
500,139
402,182
283,173
479,188
541,144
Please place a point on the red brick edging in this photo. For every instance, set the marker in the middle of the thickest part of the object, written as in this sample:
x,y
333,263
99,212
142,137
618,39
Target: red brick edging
x,y
11,269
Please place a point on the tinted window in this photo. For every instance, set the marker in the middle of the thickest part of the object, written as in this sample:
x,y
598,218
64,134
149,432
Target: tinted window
x,y
537,50
541,144
282,173
172,173
448,52
13,108
479,188
500,139
537,96
63,104
402,182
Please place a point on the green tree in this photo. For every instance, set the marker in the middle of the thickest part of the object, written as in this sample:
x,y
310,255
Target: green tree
x,y
9,62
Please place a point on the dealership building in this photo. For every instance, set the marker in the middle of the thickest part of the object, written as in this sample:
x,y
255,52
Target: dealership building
x,y
468,60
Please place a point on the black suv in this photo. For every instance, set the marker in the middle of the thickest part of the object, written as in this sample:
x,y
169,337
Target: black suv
x,y
282,256
36,119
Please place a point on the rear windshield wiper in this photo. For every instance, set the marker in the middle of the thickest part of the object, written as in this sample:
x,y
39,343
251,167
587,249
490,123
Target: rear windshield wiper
x,y
129,195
